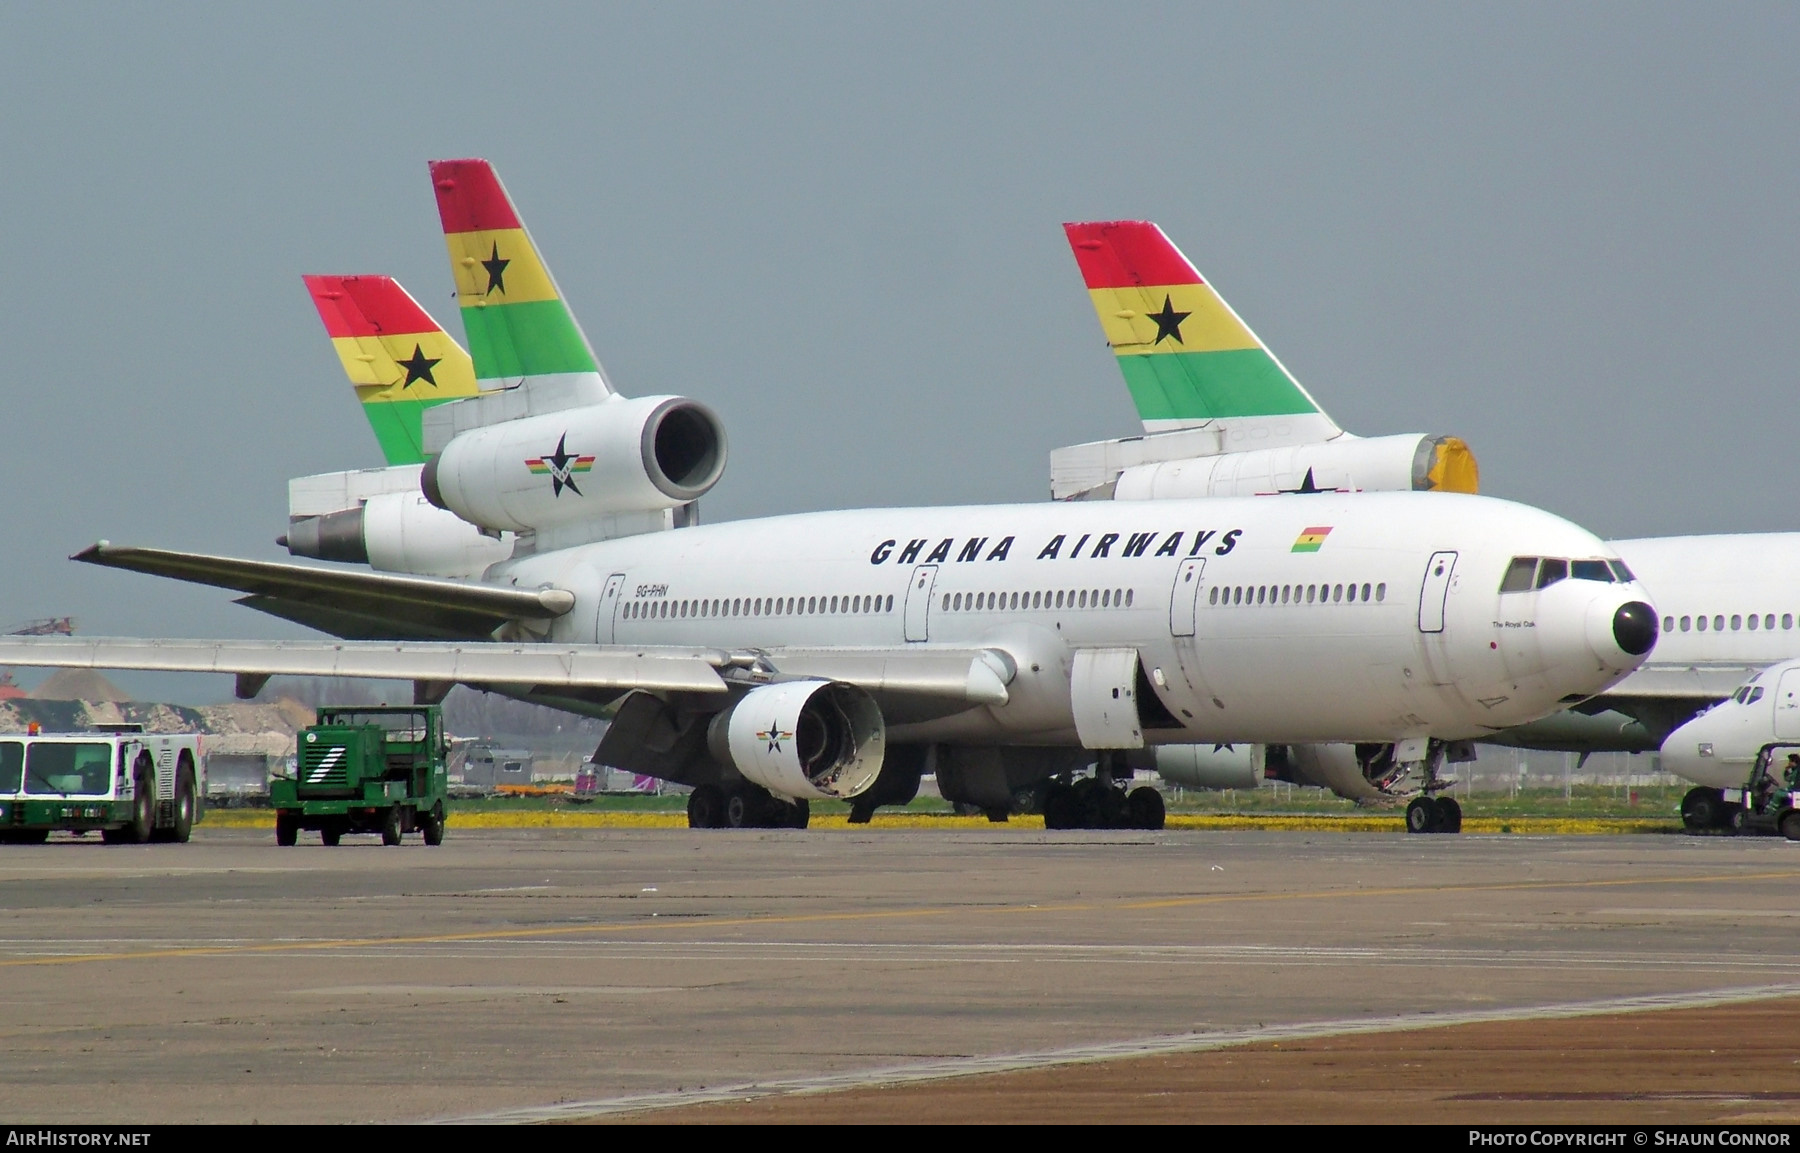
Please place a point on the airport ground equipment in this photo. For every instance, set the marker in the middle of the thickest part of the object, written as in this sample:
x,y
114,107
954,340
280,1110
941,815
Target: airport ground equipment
x,y
130,786
1766,803
366,769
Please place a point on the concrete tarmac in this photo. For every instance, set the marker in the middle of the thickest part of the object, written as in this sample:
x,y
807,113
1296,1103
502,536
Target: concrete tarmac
x,y
549,975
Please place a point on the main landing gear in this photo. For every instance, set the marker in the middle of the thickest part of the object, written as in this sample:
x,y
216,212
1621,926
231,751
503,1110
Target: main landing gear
x,y
744,806
1434,815
1099,802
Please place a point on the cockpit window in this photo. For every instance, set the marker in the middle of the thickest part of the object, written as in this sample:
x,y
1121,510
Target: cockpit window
x,y
1748,695
1621,572
1518,575
1590,570
1551,570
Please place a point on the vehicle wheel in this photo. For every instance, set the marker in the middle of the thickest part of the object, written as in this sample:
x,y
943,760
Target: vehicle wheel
x,y
1422,816
143,803
1449,815
1790,824
30,836
107,837
1061,808
184,806
1700,809
287,828
1145,806
391,826
1736,818
330,835
706,808
433,825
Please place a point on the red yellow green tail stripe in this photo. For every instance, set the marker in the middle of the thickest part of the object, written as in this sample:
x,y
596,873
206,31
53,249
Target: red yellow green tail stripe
x,y
1186,356
516,322
399,359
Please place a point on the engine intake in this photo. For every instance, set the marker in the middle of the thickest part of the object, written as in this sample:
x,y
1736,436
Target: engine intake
x,y
560,468
803,739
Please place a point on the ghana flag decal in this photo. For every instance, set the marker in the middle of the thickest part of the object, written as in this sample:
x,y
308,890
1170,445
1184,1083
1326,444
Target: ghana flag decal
x,y
400,361
1186,356
1311,539
517,324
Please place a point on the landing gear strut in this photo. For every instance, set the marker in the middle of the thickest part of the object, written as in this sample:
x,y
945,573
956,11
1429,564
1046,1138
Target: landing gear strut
x,y
1098,802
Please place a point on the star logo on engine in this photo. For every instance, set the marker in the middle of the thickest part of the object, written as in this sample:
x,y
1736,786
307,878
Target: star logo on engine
x,y
774,736
561,467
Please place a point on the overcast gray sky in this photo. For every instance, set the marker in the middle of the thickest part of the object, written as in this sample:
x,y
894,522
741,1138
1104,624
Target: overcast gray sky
x,y
1564,232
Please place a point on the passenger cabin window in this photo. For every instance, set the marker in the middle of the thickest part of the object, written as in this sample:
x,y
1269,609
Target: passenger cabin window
x,y
1551,570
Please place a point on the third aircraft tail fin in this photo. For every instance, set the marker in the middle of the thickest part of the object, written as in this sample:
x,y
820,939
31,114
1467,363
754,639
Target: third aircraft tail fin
x,y
399,359
1187,358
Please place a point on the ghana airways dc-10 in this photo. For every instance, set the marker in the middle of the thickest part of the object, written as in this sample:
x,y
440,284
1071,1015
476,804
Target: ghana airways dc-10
x,y
775,661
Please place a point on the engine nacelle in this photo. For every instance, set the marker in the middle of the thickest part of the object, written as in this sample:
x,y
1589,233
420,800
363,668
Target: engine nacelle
x,y
1179,465
581,464
803,739
398,532
1210,766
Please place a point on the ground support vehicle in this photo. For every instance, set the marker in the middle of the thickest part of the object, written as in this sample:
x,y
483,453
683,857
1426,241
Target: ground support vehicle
x,y
1766,803
366,769
129,786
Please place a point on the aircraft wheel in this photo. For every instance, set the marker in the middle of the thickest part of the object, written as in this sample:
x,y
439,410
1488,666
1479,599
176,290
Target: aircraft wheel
x,y
706,808
287,828
740,811
998,816
1422,815
799,814
1790,824
1062,810
1449,815
1700,809
1145,807
860,812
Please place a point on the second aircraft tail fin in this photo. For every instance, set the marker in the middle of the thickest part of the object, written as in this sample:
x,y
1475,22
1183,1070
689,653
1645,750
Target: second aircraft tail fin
x,y
399,359
1187,358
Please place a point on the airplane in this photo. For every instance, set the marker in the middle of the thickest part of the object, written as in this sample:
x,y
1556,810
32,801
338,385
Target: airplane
x,y
1194,370
839,655
1742,739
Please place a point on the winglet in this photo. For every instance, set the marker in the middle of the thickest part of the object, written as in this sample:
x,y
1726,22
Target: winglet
x,y
398,358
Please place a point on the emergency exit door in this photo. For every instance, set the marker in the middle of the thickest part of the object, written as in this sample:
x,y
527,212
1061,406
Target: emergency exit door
x,y
918,603
1435,591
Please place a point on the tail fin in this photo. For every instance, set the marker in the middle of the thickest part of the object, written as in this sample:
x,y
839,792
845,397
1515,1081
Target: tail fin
x,y
400,360
1187,358
518,327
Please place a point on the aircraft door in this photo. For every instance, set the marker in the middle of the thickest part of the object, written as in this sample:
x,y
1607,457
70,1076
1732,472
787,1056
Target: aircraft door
x,y
918,602
1184,597
1435,591
1787,704
609,608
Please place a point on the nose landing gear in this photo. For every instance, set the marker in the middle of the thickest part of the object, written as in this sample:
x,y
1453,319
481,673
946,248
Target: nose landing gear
x,y
1434,815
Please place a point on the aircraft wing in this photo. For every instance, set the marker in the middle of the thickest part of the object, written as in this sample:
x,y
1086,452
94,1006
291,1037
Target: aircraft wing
x,y
611,667
348,602
1713,682
959,677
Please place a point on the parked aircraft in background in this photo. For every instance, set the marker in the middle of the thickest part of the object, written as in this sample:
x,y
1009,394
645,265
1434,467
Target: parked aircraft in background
x,y
840,654
1743,739
1191,365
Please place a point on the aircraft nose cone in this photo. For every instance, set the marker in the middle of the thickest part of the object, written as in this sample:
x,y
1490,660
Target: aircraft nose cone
x,y
1634,628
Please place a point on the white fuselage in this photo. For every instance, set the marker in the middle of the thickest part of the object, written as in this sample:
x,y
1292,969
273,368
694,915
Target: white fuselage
x,y
1730,604
1719,747
1392,628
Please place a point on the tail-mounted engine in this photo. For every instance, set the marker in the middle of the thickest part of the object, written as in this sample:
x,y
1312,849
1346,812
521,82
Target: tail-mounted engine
x,y
803,739
1184,465
375,516
577,465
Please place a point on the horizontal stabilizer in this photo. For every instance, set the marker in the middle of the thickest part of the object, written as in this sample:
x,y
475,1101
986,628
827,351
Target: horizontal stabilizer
x,y
429,606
